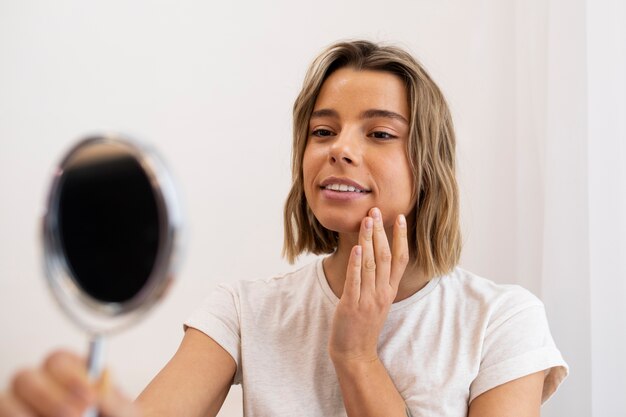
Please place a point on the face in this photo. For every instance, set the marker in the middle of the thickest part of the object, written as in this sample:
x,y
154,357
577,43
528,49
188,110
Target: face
x,y
355,157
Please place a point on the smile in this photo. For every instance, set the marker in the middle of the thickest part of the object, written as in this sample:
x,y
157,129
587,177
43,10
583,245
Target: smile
x,y
336,185
343,188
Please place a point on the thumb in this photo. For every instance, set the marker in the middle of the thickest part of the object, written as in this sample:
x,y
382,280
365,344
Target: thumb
x,y
112,402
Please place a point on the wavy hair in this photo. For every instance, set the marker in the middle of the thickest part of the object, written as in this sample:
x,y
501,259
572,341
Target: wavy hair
x,y
433,225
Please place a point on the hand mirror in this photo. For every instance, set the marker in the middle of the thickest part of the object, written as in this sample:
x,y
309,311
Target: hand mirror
x,y
110,235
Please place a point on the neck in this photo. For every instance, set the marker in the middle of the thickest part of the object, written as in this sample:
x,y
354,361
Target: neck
x,y
335,267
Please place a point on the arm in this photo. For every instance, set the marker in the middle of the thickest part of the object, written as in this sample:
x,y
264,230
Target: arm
x,y
372,278
195,381
368,390
518,398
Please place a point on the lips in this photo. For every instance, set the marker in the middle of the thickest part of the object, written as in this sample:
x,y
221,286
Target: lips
x,y
343,185
342,190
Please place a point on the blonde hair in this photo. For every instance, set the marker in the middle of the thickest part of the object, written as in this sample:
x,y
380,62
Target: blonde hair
x,y
434,231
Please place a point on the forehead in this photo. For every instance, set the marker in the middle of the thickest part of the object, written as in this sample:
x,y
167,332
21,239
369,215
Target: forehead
x,y
359,90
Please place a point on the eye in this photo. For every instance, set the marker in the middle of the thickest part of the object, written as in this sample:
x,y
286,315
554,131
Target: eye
x,y
382,135
322,133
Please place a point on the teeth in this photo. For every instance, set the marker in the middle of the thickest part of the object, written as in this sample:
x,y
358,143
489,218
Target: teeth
x,y
342,187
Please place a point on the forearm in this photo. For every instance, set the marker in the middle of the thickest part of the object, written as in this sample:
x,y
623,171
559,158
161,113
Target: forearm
x,y
368,391
194,382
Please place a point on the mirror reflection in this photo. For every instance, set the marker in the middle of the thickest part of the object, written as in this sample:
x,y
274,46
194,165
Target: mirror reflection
x,y
108,223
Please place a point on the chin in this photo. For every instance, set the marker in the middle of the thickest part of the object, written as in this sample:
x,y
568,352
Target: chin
x,y
341,224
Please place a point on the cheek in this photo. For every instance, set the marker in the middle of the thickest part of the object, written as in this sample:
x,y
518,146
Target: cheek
x,y
309,172
306,169
403,185
312,160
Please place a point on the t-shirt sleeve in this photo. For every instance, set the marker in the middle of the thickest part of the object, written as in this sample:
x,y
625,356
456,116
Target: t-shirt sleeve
x,y
518,343
218,317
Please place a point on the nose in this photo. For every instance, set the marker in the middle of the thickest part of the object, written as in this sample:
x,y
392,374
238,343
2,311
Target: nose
x,y
345,149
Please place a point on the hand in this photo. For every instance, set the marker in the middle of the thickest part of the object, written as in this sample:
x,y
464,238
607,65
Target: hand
x,y
372,278
60,387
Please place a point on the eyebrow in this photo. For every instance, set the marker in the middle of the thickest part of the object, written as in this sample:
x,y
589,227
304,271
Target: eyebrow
x,y
372,113
367,114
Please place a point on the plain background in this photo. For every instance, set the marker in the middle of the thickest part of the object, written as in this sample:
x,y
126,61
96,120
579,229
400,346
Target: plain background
x,y
211,84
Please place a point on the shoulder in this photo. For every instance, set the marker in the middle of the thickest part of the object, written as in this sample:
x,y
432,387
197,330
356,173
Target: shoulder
x,y
231,303
289,285
477,295
480,288
515,338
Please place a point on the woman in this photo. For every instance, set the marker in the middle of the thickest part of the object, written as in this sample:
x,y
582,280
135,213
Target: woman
x,y
387,324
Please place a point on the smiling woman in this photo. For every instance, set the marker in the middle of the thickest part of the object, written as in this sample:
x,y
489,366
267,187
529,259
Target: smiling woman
x,y
386,323
402,92
358,137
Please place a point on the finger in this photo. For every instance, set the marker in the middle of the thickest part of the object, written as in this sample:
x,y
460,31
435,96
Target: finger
x,y
352,286
69,371
43,395
117,405
382,253
11,407
400,251
368,262
112,402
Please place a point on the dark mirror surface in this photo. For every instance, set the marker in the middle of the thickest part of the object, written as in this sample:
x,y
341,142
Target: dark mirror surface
x,y
108,222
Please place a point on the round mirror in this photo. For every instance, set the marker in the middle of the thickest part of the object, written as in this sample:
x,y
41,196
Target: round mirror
x,y
110,233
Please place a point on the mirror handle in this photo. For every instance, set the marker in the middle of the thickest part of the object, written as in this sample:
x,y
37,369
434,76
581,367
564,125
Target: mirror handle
x,y
95,365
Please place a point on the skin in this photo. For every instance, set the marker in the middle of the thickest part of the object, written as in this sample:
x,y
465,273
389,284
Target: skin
x,y
60,387
368,272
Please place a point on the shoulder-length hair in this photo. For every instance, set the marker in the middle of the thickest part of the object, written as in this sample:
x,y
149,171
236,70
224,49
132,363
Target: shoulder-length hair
x,y
434,231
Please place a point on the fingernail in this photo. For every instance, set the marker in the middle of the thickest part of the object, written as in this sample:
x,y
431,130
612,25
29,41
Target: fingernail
x,y
358,250
402,220
368,223
104,383
376,214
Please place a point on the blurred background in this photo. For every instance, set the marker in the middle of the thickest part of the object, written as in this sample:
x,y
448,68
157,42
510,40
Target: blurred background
x,y
536,89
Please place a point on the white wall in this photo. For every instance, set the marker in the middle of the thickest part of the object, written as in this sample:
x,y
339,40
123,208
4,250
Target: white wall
x,y
606,40
211,84
565,248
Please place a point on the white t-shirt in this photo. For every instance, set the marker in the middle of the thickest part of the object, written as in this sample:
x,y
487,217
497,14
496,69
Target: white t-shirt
x,y
456,338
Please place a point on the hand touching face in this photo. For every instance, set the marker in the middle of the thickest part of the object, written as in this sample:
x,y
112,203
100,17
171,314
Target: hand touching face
x,y
373,275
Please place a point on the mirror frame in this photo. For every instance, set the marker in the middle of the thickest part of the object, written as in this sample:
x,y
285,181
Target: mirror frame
x,y
96,316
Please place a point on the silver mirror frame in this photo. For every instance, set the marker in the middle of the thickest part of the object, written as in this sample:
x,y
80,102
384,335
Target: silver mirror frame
x,y
92,315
